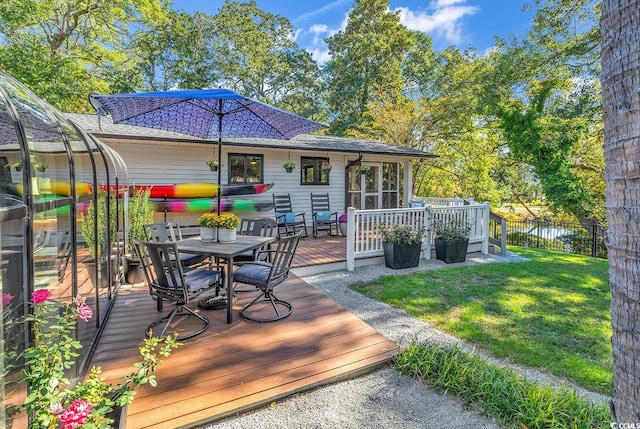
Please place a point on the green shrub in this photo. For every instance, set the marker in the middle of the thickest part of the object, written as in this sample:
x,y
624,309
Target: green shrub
x,y
500,392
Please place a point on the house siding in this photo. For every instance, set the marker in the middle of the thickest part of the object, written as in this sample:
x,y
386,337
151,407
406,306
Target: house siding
x,y
155,163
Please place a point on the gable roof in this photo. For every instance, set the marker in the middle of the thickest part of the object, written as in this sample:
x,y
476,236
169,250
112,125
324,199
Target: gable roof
x,y
108,129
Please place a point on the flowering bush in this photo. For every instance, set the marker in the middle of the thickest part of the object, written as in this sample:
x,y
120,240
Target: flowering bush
x,y
208,220
401,234
53,403
453,229
227,221
326,165
343,218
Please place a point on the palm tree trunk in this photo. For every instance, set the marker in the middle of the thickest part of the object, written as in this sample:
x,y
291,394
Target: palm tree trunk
x,y
620,56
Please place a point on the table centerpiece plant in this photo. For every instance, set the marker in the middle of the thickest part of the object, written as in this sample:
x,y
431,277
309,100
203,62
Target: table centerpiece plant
x,y
401,245
227,223
208,227
53,401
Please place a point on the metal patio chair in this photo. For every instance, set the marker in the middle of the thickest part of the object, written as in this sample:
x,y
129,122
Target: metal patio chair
x,y
288,220
266,276
168,282
323,218
163,232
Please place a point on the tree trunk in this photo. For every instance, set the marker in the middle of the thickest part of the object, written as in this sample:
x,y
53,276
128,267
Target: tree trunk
x,y
620,43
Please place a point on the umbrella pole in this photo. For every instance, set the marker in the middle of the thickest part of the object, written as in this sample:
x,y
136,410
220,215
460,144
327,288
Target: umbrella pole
x,y
219,155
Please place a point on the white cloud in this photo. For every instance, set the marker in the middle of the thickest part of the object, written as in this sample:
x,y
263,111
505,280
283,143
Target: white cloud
x,y
445,21
322,10
444,3
315,35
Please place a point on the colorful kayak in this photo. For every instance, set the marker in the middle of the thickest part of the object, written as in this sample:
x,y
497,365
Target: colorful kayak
x,y
202,190
53,187
203,205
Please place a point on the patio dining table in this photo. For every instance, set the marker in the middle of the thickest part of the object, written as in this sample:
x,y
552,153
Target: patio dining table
x,y
228,251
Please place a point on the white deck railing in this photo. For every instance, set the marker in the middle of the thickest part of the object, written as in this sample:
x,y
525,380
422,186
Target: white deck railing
x,y
364,239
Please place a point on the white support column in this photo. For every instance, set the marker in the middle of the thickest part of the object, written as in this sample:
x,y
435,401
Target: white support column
x,y
351,236
408,182
485,228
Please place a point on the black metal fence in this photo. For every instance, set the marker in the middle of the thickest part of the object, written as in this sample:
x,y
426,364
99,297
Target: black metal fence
x,y
561,236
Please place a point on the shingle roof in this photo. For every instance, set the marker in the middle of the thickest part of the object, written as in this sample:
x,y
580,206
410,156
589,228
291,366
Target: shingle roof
x,y
301,142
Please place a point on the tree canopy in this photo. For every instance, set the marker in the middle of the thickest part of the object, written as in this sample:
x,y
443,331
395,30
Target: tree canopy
x,y
522,118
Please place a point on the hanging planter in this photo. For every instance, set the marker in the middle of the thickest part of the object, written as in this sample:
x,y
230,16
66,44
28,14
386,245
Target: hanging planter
x,y
39,167
289,166
363,169
213,164
17,166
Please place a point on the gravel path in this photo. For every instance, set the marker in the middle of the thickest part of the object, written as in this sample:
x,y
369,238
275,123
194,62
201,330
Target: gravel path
x,y
383,398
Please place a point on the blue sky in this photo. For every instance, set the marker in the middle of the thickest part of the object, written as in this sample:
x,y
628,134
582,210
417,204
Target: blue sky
x,y
462,23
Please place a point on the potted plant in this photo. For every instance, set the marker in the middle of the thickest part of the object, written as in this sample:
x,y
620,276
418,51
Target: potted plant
x,y
208,227
342,224
140,214
54,401
326,165
452,239
39,166
227,224
17,165
401,245
92,236
213,164
289,166
363,169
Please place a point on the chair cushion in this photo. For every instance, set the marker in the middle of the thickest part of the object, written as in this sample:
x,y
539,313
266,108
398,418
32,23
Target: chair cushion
x,y
201,279
253,274
323,216
288,217
191,259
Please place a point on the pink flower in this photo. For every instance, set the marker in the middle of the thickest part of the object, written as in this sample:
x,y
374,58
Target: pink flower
x,y
40,296
85,312
79,300
75,414
6,299
56,409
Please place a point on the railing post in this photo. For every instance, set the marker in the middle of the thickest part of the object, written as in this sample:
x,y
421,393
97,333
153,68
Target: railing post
x,y
594,240
503,236
351,235
485,228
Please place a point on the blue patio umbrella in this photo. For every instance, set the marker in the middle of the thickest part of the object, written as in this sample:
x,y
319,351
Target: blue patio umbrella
x,y
205,113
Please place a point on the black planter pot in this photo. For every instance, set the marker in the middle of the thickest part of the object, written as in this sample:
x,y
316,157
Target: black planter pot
x,y
133,271
397,256
119,416
451,251
104,278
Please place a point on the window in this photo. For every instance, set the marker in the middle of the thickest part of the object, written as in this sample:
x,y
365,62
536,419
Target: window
x,y
245,168
315,171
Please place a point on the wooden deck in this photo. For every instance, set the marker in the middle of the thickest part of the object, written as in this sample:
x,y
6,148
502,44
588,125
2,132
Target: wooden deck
x,y
322,250
235,368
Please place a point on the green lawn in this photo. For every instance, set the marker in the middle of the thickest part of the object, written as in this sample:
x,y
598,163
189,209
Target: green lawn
x,y
552,312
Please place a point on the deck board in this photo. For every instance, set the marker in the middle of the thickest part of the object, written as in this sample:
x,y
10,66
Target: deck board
x,y
242,366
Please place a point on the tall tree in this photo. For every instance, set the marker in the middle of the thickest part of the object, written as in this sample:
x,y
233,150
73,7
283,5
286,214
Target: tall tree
x,y
256,55
620,29
65,49
544,91
366,60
